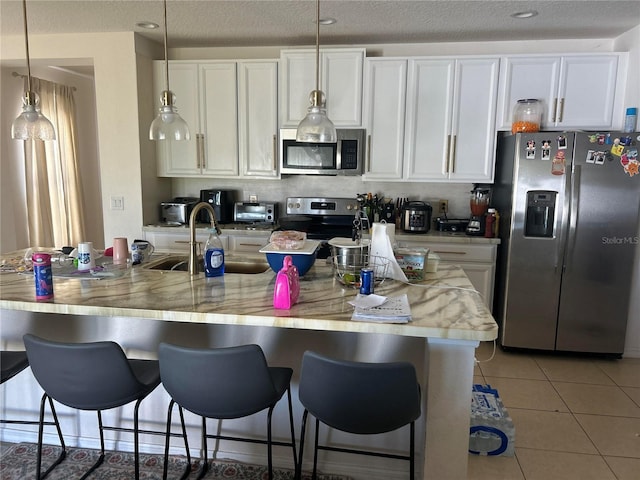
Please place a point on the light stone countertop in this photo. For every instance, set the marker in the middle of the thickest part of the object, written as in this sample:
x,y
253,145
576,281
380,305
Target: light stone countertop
x,y
243,229
444,305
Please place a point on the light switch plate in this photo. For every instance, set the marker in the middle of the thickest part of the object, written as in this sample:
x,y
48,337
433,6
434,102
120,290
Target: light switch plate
x,y
117,203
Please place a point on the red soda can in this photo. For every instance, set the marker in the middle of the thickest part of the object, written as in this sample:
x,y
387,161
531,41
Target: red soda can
x,y
43,275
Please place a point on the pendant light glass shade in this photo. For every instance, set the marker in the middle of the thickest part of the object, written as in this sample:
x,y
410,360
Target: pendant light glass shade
x,y
316,127
31,123
168,125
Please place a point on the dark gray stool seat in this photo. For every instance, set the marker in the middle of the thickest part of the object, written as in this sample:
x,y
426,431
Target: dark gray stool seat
x,y
12,363
91,376
359,398
223,383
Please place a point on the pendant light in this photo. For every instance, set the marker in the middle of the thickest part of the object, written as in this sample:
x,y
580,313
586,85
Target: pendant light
x,y
31,124
316,126
168,125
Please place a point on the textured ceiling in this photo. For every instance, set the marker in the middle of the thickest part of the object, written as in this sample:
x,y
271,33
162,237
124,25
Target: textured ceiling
x,y
197,23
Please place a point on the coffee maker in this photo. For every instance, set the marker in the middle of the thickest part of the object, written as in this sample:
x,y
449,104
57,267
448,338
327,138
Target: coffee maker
x,y
479,203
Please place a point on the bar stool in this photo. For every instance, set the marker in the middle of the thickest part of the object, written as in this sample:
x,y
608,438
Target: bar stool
x,y
91,376
222,383
359,398
11,364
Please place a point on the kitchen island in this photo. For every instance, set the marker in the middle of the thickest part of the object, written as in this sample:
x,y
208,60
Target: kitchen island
x,y
449,319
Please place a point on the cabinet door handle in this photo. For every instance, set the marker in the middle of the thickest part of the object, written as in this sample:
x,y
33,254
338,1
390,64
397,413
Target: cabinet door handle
x,y
242,244
449,253
202,157
561,109
555,110
448,154
275,154
453,154
368,166
199,138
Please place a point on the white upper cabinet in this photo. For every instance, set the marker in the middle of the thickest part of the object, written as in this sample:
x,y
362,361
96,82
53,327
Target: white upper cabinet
x,y
218,119
577,91
179,158
231,110
258,118
386,93
341,71
448,130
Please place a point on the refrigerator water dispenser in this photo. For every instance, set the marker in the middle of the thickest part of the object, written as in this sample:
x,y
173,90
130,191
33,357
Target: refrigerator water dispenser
x,y
540,214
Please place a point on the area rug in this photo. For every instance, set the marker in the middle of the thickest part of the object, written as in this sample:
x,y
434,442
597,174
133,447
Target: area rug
x,y
18,462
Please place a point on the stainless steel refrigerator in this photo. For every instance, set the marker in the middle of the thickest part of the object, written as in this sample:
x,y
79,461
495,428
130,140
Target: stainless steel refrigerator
x,y
569,205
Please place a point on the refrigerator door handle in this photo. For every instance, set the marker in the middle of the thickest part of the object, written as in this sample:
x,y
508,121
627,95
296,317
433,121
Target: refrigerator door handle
x,y
573,212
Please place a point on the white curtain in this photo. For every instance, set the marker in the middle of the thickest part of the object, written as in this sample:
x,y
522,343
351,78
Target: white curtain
x,y
54,191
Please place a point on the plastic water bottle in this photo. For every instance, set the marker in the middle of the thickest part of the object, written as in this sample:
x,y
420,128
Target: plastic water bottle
x,y
630,120
213,256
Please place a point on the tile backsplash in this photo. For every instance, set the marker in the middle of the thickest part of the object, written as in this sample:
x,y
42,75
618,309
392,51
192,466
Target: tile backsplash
x,y
312,185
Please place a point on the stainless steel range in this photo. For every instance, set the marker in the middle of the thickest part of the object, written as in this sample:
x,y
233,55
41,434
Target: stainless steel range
x,y
330,217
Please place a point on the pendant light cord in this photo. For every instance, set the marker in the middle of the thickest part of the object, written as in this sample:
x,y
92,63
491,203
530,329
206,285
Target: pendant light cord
x,y
317,44
26,43
166,57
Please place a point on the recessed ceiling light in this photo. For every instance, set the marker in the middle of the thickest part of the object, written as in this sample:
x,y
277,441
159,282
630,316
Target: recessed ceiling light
x,y
328,21
525,14
147,25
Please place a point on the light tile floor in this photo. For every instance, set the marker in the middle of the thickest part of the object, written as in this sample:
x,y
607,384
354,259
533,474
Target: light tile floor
x,y
575,418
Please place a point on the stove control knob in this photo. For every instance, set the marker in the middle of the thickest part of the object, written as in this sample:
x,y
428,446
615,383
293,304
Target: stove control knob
x,y
349,207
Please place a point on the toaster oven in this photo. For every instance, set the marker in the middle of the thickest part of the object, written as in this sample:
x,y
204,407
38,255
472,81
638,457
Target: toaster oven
x,y
177,211
255,212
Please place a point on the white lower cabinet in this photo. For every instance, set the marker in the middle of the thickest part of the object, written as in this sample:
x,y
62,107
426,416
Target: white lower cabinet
x,y
248,243
178,242
232,241
477,260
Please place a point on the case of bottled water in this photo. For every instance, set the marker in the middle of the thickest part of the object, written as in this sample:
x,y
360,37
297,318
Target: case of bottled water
x,y
492,431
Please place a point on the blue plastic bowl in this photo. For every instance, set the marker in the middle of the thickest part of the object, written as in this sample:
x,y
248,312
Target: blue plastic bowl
x,y
302,261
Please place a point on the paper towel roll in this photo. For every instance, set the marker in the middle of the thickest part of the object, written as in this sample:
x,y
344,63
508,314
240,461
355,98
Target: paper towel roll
x,y
381,246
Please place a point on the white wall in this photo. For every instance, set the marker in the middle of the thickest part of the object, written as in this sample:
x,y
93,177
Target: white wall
x,y
630,41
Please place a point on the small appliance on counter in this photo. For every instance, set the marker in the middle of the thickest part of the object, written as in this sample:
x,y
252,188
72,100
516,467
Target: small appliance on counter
x,y
255,212
452,225
222,203
479,203
177,211
416,217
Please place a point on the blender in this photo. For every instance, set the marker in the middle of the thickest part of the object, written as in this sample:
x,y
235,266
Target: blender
x,y
479,203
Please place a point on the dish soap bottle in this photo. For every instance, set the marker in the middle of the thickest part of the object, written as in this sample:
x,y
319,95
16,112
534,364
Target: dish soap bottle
x,y
213,256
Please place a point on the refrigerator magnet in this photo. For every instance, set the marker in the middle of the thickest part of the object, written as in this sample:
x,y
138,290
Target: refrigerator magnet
x,y
629,162
617,150
557,166
599,158
562,142
591,156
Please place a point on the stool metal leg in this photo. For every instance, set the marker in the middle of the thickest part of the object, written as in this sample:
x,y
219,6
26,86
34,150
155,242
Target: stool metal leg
x,y
205,461
298,474
42,423
293,434
165,468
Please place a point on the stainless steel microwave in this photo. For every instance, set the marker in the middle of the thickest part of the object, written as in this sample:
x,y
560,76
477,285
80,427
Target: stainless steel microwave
x,y
345,157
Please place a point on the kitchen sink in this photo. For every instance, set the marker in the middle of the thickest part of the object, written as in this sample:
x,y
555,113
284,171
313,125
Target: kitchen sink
x,y
181,264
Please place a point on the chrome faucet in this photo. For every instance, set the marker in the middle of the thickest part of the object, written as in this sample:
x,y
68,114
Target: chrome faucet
x,y
193,245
